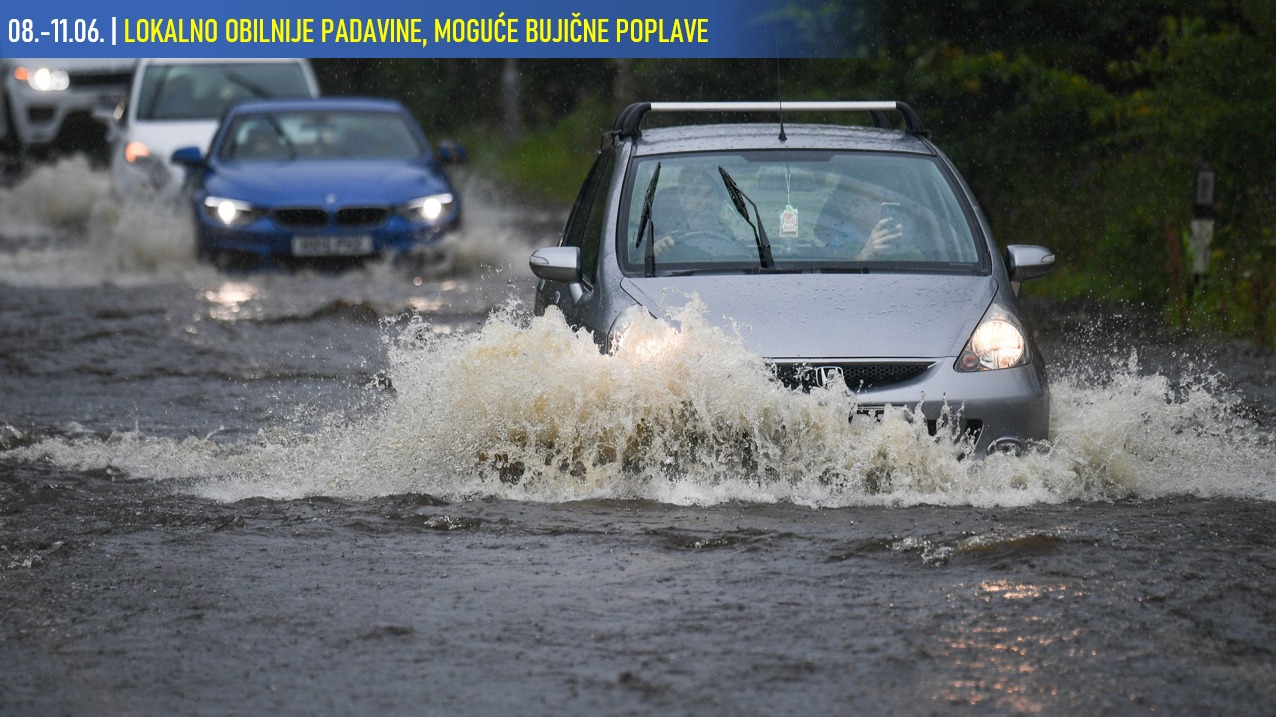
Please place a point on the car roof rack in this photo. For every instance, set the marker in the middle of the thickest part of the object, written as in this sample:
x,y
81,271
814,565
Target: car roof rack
x,y
628,121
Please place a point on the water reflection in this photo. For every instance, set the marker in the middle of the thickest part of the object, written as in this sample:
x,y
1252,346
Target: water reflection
x,y
1003,665
228,299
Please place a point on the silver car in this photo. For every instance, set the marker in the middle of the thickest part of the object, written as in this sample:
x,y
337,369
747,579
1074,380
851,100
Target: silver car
x,y
849,257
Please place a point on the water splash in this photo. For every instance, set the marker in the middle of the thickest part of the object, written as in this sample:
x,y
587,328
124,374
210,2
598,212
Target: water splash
x,y
65,227
527,409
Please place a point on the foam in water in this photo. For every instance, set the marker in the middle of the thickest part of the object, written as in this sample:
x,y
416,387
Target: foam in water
x,y
527,409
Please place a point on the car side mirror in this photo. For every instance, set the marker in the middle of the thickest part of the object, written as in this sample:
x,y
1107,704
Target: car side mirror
x,y
450,152
1025,262
188,157
557,263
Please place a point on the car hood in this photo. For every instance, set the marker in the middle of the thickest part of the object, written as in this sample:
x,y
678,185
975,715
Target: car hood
x,y
343,182
811,316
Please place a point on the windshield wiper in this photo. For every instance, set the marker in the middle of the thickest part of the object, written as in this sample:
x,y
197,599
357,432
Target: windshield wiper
x,y
738,199
279,129
644,223
253,88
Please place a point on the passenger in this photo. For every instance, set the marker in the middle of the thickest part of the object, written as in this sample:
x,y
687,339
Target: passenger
x,y
261,143
840,227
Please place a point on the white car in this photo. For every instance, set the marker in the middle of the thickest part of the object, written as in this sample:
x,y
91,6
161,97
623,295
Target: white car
x,y
175,103
47,103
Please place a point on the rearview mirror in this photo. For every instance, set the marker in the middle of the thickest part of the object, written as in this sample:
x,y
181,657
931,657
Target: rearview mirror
x,y
450,152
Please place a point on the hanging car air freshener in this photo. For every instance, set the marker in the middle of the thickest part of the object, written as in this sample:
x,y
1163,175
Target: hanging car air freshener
x,y
789,221
788,217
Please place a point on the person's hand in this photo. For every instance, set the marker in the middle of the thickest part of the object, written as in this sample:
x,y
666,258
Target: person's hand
x,y
663,244
885,235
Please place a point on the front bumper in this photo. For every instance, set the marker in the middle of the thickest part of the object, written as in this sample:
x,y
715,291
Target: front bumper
x,y
1006,410
38,117
271,242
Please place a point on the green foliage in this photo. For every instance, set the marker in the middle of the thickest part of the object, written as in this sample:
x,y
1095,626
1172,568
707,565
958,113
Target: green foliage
x,y
1079,125
549,163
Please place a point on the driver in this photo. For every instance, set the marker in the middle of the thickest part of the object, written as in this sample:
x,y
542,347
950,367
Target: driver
x,y
693,207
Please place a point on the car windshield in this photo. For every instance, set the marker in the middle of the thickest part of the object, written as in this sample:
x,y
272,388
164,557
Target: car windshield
x,y
818,210
202,90
319,135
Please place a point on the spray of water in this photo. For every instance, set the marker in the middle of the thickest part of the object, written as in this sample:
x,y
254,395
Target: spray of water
x,y
527,409
64,226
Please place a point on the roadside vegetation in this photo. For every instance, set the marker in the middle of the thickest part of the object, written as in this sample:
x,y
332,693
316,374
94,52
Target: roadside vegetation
x,y
1081,127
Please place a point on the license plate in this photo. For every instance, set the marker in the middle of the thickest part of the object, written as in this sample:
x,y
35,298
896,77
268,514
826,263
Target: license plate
x,y
344,245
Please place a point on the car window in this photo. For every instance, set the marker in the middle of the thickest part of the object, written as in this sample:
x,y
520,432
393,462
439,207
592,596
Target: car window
x,y
319,135
585,225
818,209
201,90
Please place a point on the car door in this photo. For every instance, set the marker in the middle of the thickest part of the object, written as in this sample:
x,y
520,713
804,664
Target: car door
x,y
584,230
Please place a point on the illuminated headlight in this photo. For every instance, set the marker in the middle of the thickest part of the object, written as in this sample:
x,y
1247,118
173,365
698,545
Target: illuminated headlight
x,y
230,212
998,342
135,151
429,208
620,327
43,79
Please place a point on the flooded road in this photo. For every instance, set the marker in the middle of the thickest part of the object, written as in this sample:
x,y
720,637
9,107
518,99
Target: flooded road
x,y
376,492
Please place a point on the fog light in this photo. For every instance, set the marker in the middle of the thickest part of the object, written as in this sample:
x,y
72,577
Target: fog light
x,y
1008,445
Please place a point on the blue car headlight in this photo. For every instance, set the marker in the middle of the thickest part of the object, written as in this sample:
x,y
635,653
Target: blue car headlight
x,y
230,212
428,209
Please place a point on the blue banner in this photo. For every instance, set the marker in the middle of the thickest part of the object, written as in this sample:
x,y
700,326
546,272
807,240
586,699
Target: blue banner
x,y
397,28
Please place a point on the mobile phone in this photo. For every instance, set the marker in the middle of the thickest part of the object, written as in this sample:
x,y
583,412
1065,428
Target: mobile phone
x,y
891,210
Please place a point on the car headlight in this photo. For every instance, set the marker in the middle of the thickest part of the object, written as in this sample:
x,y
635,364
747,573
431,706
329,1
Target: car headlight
x,y
43,79
135,152
428,209
997,342
230,212
637,335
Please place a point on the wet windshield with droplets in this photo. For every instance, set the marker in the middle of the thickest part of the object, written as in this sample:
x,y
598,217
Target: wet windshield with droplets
x,y
818,209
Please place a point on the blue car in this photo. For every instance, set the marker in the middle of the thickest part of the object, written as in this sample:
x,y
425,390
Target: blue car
x,y
333,180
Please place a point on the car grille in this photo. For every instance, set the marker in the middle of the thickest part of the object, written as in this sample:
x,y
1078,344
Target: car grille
x,y
120,80
346,217
362,216
856,375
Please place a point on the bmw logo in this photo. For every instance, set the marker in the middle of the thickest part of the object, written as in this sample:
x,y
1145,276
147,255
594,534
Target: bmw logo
x,y
330,199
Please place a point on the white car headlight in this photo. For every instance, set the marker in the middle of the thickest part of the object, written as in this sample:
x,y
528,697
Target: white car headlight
x,y
637,335
428,209
230,212
997,342
43,79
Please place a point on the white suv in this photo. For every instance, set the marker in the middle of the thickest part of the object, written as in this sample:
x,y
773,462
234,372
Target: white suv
x,y
49,102
176,103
